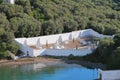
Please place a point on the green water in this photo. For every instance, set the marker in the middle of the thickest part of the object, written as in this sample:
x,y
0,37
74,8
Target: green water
x,y
34,72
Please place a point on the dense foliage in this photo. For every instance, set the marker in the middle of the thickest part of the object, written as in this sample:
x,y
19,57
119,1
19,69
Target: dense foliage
x,y
43,17
6,37
29,18
108,53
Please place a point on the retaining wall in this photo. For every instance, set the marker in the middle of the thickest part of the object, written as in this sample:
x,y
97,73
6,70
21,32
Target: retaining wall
x,y
65,52
110,75
65,36
52,39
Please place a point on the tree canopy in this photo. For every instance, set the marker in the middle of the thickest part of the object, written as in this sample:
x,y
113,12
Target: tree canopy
x,y
30,18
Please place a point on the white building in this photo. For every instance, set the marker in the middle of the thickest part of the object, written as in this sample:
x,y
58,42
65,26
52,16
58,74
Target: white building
x,y
60,44
109,74
10,1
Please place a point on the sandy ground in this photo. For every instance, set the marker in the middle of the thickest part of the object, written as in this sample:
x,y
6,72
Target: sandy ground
x,y
52,61
28,61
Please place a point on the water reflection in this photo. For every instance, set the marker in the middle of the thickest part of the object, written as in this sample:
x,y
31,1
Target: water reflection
x,y
33,67
44,72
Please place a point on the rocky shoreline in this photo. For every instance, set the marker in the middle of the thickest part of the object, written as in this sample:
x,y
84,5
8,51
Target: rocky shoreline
x,y
87,64
51,61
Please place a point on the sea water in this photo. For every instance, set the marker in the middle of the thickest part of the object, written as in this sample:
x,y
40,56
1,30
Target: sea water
x,y
43,72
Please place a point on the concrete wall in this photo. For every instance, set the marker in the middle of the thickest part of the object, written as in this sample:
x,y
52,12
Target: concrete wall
x,y
53,52
65,52
10,1
36,53
110,75
65,36
52,39
26,49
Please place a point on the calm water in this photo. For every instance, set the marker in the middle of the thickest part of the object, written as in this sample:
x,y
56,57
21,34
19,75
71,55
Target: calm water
x,y
35,72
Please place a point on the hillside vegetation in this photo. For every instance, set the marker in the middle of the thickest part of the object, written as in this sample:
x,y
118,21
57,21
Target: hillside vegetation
x,y
29,18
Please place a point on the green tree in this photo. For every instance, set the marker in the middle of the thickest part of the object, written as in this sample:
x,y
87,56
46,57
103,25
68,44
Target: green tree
x,y
71,26
10,10
1,1
49,27
104,49
4,23
7,43
114,60
26,6
117,40
25,26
